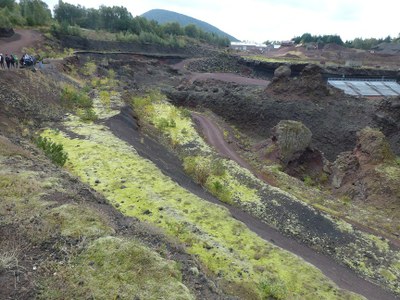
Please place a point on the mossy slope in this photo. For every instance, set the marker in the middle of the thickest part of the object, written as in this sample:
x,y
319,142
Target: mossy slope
x,y
225,246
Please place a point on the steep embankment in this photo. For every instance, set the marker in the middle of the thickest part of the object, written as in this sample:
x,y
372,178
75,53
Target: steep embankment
x,y
59,238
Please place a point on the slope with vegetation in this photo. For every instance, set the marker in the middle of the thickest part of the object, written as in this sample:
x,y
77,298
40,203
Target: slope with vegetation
x,y
244,264
118,19
163,17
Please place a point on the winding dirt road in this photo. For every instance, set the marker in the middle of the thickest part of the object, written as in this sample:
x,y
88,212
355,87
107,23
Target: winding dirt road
x,y
341,275
22,38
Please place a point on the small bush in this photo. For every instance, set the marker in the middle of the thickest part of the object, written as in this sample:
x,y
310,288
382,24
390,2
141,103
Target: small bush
x,y
162,123
105,98
8,260
89,68
274,289
52,150
71,98
87,115
126,37
64,29
199,169
218,167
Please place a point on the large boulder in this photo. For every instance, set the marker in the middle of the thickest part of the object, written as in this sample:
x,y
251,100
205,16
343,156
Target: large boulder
x,y
282,72
6,32
373,147
292,139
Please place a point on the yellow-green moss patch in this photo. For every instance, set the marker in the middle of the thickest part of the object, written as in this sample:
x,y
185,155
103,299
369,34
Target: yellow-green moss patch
x,y
225,246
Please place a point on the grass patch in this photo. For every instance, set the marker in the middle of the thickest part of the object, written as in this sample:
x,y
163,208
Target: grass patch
x,y
78,221
116,268
8,260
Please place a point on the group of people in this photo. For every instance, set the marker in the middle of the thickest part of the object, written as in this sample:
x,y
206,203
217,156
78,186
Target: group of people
x,y
11,61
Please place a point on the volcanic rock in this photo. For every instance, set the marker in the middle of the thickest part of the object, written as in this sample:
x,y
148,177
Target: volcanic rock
x,y
292,139
372,147
282,72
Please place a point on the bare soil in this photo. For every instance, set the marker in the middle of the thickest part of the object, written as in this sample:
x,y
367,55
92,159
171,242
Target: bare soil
x,y
21,39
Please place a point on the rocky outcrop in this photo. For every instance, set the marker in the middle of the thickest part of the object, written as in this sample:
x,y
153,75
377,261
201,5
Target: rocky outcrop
x,y
369,172
372,147
309,84
291,138
282,72
345,166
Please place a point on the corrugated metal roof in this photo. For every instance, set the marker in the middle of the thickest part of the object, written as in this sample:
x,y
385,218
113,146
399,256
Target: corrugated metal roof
x,y
366,87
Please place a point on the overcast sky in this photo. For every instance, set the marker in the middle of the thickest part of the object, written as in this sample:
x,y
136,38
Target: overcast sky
x,y
261,20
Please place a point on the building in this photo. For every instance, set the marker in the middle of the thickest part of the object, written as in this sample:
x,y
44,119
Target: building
x,y
249,46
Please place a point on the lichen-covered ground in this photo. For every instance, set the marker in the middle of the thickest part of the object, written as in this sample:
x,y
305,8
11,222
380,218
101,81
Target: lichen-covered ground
x,y
59,240
246,265
368,255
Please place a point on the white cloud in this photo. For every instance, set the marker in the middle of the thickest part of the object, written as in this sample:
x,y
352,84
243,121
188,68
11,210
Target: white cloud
x,y
261,20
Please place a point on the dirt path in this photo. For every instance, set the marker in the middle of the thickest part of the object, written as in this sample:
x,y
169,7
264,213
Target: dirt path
x,y
226,77
126,128
22,38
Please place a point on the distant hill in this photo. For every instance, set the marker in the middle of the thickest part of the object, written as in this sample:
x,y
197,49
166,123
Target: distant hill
x,y
163,16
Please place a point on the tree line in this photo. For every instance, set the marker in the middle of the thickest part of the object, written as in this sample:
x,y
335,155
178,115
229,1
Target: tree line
x,y
26,12
119,20
358,43
115,19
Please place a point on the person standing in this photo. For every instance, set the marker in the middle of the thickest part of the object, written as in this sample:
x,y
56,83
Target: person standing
x,y
15,57
8,61
2,61
12,61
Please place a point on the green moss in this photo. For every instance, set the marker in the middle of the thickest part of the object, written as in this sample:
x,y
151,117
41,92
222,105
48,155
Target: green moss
x,y
225,246
78,221
115,268
388,275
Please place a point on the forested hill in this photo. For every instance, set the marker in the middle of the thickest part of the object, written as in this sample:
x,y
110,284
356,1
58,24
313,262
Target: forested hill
x,y
163,16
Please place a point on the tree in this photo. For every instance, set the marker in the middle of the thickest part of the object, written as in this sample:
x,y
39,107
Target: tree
x,y
173,28
10,4
36,12
192,31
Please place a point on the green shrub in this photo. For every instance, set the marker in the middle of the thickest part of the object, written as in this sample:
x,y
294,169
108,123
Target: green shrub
x,y
273,289
218,167
89,68
105,98
65,29
127,37
71,98
162,123
87,114
52,150
198,168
